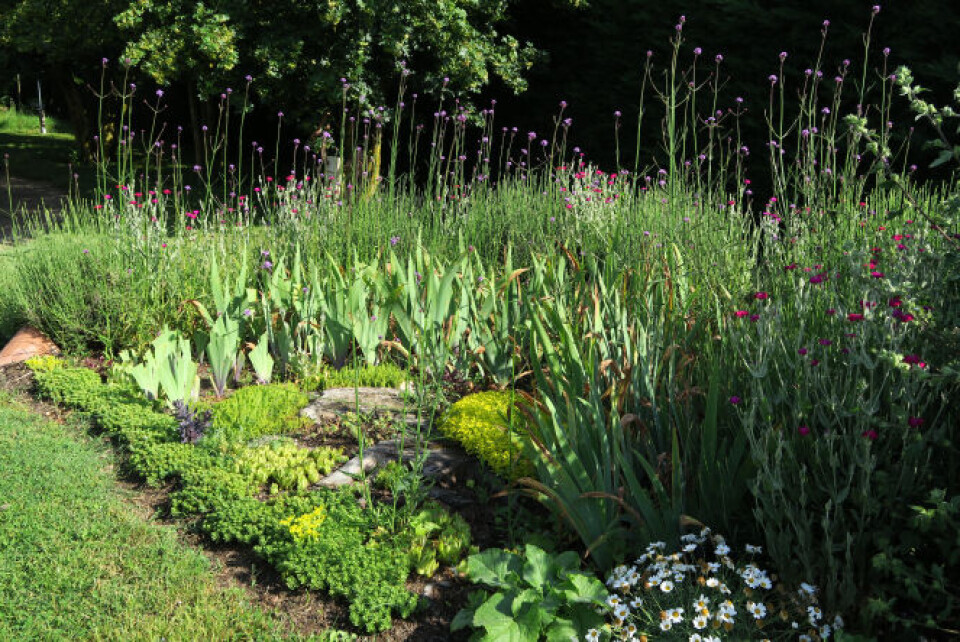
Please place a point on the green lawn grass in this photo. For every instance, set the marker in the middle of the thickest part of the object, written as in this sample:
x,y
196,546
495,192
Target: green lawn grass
x,y
42,157
76,561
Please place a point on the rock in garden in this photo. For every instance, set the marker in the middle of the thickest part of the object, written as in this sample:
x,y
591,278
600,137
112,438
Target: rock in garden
x,y
28,342
335,403
441,462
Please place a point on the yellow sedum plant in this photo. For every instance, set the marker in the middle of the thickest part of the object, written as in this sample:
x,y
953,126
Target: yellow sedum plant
x,y
44,363
480,423
306,527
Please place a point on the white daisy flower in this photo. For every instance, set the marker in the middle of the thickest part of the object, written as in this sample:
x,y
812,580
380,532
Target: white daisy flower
x,y
815,614
722,549
666,586
825,631
753,550
666,625
809,589
759,610
592,635
699,622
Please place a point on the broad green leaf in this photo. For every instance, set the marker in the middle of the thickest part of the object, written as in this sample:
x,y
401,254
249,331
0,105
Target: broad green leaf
x,y
494,567
584,588
497,621
537,567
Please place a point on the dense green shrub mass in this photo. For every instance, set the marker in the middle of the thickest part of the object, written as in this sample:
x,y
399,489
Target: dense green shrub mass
x,y
326,541
256,411
116,408
323,540
481,423
206,489
285,466
382,375
158,462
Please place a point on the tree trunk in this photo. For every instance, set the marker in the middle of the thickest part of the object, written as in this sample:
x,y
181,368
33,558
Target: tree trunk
x,y
77,114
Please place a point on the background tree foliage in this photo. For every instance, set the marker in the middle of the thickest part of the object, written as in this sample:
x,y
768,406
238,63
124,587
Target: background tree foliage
x,y
590,54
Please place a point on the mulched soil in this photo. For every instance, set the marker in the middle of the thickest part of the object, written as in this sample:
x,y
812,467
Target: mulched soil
x,y
308,612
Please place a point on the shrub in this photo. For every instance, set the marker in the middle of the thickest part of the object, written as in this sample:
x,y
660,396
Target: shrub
x,y
481,423
345,562
916,568
158,462
116,408
255,411
346,554
534,596
382,375
286,466
206,489
249,521
435,536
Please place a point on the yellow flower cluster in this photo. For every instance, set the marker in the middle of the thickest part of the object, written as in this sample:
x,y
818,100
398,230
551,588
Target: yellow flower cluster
x,y
479,422
44,363
306,527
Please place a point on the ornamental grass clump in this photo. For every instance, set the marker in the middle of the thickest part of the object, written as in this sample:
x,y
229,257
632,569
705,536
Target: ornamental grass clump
x,y
701,592
484,424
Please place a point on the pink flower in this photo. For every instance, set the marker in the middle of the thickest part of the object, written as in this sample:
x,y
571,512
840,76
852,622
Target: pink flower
x,y
870,434
761,296
877,275
895,302
831,312
741,313
915,422
825,342
734,400
803,430
854,317
754,317
902,317
814,362
802,351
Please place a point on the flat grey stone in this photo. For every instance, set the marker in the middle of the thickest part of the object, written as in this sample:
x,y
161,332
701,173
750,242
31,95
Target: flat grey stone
x,y
334,403
440,462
